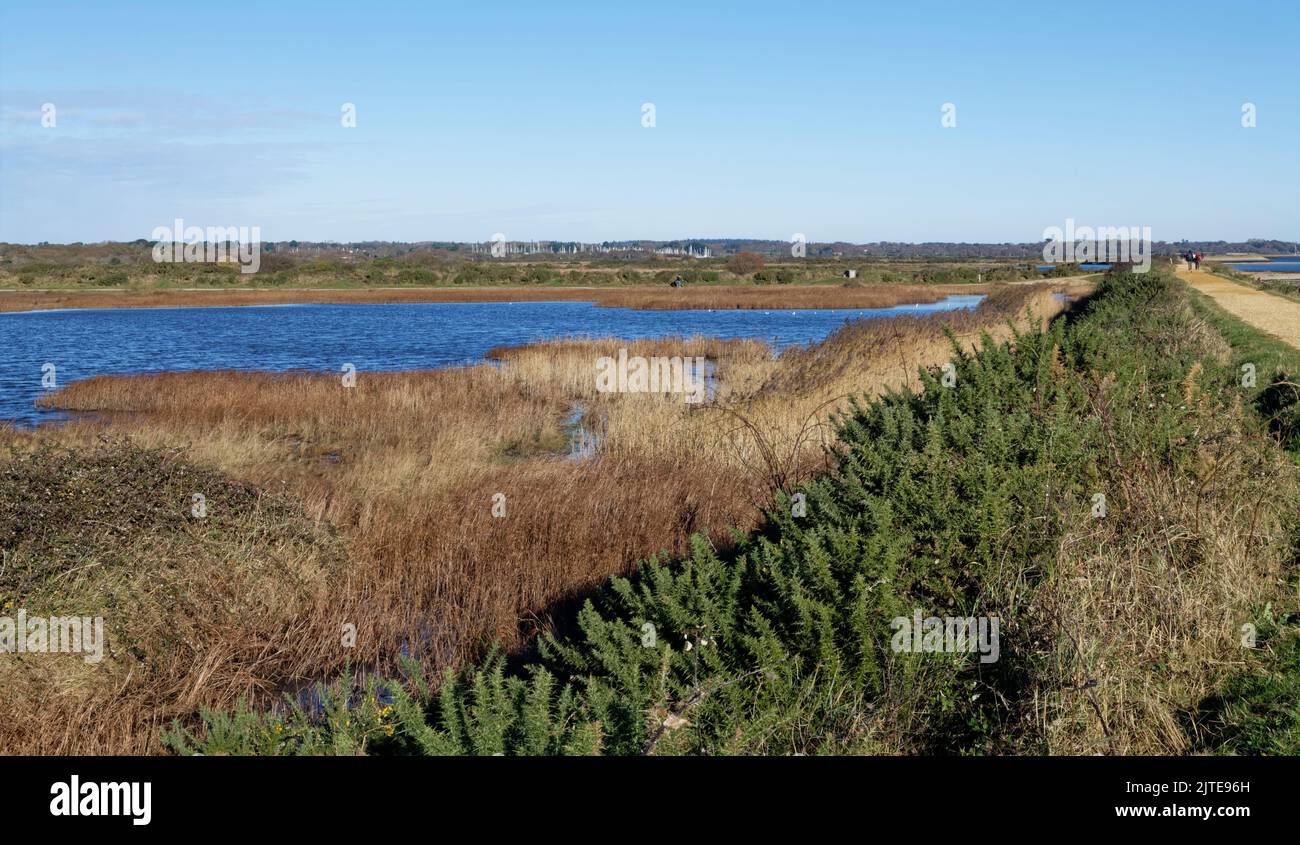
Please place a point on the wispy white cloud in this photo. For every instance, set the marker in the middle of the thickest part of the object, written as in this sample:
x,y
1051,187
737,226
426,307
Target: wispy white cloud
x,y
178,115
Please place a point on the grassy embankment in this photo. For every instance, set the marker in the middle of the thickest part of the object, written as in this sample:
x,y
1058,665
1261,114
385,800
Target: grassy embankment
x,y
1276,394
1257,710
404,466
1121,629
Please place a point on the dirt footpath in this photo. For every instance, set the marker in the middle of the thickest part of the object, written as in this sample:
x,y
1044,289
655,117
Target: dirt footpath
x,y
1273,314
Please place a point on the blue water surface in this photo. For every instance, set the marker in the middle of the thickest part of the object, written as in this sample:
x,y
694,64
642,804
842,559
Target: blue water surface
x,y
1088,266
1277,265
87,342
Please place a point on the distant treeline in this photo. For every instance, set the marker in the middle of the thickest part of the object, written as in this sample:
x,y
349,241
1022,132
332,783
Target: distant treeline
x,y
947,249
16,256
131,266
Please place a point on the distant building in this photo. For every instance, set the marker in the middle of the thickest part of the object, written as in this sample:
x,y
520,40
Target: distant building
x,y
690,250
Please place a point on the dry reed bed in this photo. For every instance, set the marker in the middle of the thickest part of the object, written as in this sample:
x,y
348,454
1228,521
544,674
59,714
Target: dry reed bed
x,y
771,417
660,297
406,466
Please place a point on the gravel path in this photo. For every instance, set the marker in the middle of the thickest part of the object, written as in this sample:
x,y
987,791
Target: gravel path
x,y
1273,314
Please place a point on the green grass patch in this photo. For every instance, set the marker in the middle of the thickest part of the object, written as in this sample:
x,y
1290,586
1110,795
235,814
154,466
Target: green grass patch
x,y
1258,711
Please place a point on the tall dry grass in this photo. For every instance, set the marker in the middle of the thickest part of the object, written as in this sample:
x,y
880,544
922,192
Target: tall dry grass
x,y
771,416
408,466
1147,606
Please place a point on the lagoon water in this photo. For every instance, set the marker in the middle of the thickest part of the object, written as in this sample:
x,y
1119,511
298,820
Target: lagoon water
x,y
1087,266
1276,265
87,342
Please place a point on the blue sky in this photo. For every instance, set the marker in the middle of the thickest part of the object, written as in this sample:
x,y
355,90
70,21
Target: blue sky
x,y
770,119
